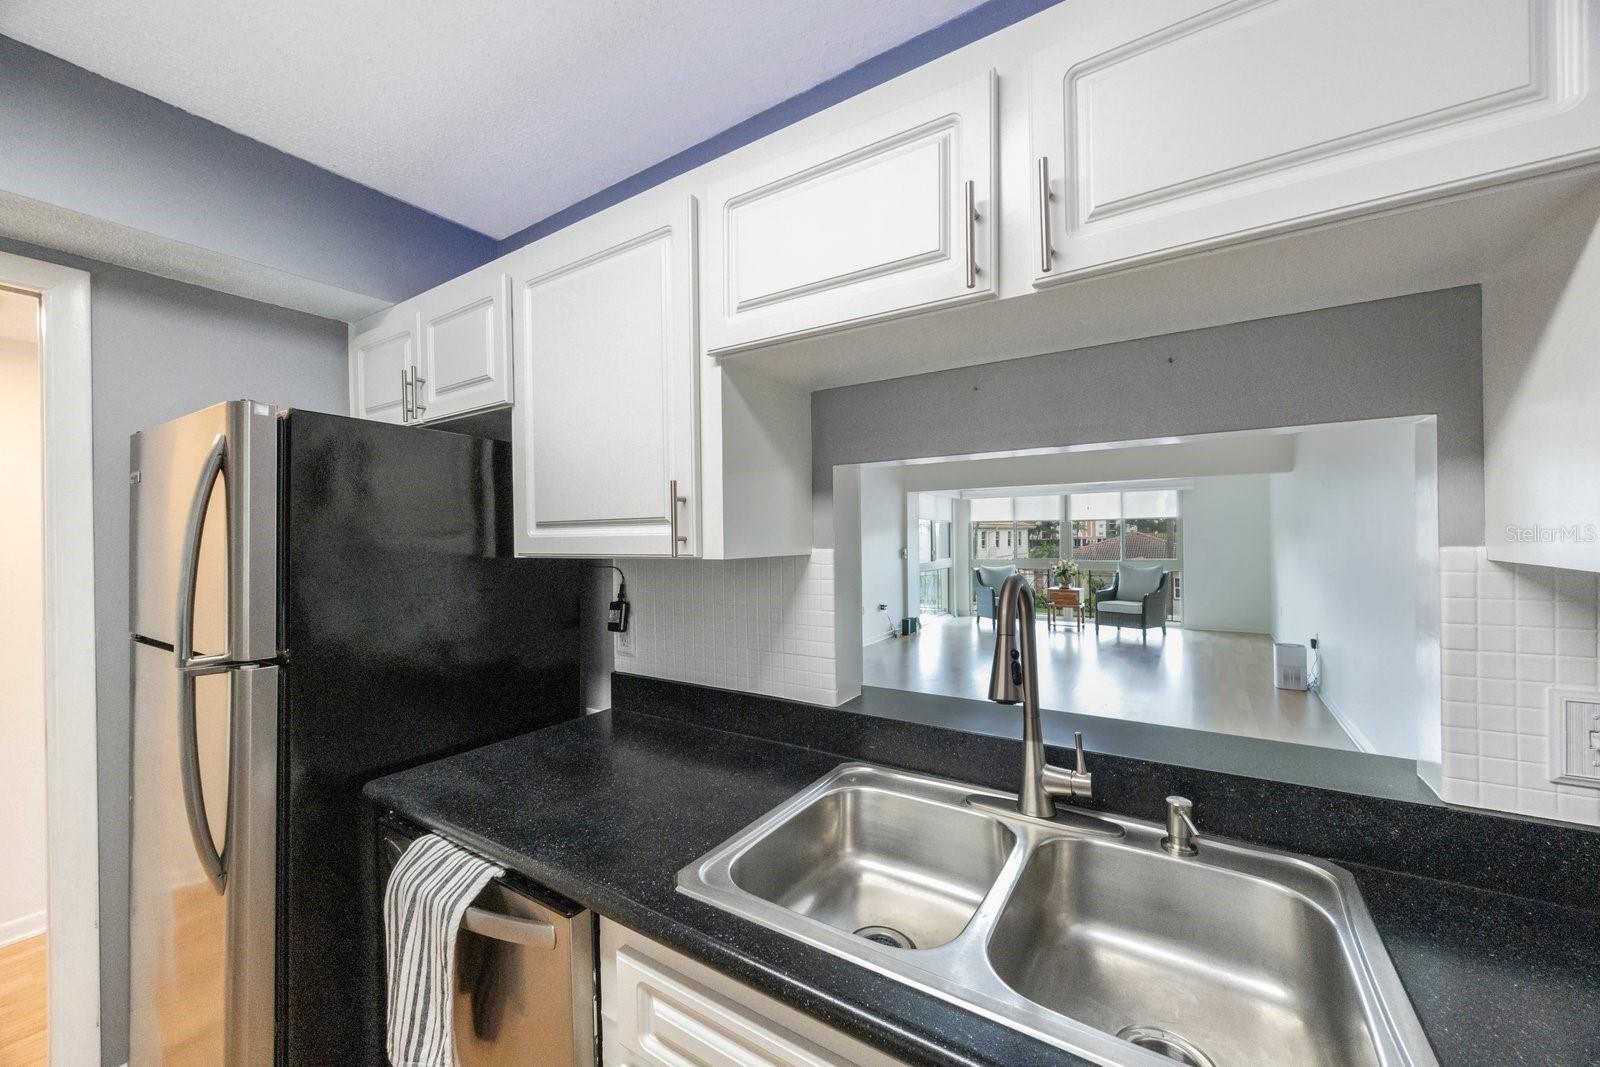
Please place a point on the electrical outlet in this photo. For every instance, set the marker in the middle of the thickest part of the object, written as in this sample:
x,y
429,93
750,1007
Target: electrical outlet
x,y
1575,737
625,647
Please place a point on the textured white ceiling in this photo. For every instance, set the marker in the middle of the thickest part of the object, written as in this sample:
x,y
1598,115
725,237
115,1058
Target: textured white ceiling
x,y
493,113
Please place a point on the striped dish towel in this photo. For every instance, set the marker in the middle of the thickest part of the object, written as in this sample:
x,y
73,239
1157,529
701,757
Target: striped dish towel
x,y
431,888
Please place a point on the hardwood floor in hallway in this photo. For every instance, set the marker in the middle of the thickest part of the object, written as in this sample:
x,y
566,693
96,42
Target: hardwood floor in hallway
x,y
1200,679
22,1003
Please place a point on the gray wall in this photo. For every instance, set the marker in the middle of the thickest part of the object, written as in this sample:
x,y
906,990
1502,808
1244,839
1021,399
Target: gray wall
x,y
1410,355
161,349
81,142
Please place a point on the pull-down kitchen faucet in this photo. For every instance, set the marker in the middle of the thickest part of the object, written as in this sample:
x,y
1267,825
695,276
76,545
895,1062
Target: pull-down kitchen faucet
x,y
1015,680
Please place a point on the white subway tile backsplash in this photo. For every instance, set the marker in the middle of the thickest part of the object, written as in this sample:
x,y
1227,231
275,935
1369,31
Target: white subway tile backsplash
x,y
1496,585
757,625
1535,613
1531,628
1497,638
1539,640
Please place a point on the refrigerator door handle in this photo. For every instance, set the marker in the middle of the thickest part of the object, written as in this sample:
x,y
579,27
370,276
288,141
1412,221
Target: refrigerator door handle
x,y
189,564
212,859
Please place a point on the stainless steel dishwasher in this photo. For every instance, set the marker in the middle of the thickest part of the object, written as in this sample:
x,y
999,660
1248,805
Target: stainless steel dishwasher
x,y
525,975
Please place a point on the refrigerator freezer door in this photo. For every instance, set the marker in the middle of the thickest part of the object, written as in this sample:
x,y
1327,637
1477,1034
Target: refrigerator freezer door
x,y
202,956
235,514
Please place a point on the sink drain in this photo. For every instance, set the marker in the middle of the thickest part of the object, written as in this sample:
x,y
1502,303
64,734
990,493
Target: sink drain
x,y
886,935
1165,1043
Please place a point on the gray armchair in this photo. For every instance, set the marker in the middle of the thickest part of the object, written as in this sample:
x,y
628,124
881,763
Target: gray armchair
x,y
986,582
1137,596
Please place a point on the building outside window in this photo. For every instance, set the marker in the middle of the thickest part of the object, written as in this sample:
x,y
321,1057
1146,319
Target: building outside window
x,y
934,564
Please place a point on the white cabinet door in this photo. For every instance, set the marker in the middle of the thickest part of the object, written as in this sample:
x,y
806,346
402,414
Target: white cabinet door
x,y
604,426
660,1008
464,348
382,356
1166,128
885,219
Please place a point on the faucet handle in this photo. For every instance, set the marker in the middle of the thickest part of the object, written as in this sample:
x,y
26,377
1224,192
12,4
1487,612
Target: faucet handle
x,y
1075,783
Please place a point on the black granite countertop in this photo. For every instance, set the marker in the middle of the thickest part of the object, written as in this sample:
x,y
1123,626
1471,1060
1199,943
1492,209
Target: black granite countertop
x,y
606,810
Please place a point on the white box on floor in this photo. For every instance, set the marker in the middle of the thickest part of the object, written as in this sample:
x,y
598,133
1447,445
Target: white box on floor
x,y
1289,666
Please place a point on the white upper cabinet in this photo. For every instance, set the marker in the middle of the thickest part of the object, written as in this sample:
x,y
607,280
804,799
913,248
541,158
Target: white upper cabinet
x,y
1164,128
444,353
382,357
464,345
888,218
604,427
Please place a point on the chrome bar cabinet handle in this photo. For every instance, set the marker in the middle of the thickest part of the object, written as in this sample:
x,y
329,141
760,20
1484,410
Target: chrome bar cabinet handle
x,y
674,502
972,236
1045,252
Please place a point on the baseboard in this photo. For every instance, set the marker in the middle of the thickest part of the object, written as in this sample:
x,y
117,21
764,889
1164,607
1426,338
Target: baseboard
x,y
1349,727
1222,629
880,639
20,929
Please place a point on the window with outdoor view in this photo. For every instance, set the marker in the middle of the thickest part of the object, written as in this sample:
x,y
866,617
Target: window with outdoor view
x,y
1096,525
1150,524
1092,532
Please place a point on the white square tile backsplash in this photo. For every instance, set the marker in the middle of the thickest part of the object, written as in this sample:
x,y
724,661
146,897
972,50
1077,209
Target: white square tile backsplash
x,y
1509,633
756,625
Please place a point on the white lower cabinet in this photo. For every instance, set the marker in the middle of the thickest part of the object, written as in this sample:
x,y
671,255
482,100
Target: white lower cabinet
x,y
1166,128
604,428
661,1009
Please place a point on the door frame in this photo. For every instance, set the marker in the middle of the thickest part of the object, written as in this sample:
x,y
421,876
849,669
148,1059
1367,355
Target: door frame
x,y
71,817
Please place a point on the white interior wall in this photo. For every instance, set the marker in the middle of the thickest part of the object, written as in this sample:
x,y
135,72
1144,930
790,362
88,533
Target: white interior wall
x,y
882,538
22,767
1227,554
1344,569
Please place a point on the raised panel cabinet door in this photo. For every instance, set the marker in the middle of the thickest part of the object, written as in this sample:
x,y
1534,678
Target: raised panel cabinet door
x,y
382,357
605,421
667,1020
1166,128
464,345
885,219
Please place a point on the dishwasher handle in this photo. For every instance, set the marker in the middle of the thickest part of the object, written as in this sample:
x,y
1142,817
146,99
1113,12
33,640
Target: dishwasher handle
x,y
530,933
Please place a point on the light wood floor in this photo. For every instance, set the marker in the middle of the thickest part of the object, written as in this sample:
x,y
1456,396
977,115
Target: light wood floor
x,y
1200,679
22,1003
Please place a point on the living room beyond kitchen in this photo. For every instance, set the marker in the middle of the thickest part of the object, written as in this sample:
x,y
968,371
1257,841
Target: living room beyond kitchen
x,y
1260,584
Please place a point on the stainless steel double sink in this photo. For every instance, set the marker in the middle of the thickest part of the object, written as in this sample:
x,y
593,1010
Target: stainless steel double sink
x,y
1081,931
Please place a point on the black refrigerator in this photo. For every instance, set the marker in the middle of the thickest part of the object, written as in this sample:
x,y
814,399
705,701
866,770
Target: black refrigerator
x,y
316,601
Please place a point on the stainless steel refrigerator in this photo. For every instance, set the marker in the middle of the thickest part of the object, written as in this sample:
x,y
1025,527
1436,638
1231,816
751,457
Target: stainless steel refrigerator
x,y
316,601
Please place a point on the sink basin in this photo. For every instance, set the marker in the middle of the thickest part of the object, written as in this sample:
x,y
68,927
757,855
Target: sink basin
x,y
892,868
1242,969
1081,931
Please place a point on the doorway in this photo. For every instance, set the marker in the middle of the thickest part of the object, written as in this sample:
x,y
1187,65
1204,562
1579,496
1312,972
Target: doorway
x,y
24,937
52,304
